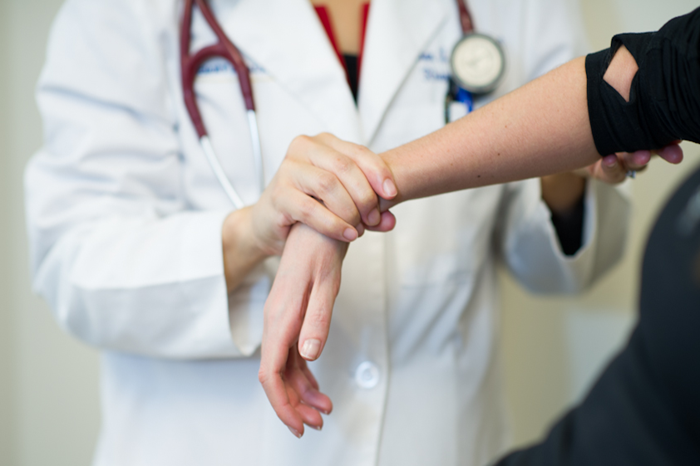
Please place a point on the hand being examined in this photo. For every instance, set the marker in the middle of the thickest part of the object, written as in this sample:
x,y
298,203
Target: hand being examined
x,y
297,318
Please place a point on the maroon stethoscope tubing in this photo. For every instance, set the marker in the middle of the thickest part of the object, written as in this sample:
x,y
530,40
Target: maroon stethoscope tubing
x,y
190,64
465,18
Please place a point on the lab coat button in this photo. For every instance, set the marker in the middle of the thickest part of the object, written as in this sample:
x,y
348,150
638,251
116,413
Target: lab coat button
x,y
367,375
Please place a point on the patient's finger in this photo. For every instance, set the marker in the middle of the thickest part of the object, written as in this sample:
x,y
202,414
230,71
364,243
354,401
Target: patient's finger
x,y
317,321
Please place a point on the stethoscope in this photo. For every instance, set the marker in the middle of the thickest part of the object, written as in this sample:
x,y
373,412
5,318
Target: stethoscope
x,y
190,65
477,63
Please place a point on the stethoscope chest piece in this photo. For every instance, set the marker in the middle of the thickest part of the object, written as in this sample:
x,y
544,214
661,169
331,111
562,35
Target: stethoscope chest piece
x,y
477,63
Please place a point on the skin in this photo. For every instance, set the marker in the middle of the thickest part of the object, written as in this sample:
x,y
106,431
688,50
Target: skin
x,y
345,16
539,129
328,184
323,182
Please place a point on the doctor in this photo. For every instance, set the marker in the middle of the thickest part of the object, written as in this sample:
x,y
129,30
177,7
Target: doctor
x,y
131,234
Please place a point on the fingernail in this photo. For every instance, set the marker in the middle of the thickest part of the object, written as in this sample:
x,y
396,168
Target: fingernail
x,y
374,217
389,188
294,431
610,160
350,234
317,427
310,349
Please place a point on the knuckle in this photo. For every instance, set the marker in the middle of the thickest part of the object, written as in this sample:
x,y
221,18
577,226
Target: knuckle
x,y
326,183
368,199
306,210
364,152
343,165
319,320
369,157
299,143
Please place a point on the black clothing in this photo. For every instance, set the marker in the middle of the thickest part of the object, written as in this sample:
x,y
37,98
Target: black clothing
x,y
569,227
351,63
664,101
644,410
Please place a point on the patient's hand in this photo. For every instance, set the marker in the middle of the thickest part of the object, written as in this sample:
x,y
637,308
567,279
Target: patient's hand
x,y
297,318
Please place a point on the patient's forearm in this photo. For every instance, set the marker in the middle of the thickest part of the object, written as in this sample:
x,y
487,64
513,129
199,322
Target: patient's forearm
x,y
521,135
544,127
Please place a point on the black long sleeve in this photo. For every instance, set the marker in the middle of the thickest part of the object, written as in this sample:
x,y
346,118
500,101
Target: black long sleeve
x,y
664,100
645,408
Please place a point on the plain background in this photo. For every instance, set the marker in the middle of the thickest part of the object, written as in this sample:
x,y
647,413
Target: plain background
x,y
49,404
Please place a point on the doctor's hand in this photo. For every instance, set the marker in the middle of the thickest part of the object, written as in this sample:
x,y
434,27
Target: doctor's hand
x,y
614,168
563,191
297,319
324,182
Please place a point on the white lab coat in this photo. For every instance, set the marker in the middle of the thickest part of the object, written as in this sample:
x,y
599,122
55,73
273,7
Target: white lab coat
x,y
125,222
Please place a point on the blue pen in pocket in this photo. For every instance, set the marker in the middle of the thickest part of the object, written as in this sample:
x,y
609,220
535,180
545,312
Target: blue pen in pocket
x,y
458,102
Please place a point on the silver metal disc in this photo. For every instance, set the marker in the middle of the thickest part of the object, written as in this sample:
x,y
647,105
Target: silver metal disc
x,y
477,63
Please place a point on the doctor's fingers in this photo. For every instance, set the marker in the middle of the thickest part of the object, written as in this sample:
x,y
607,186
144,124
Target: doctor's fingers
x,y
673,153
612,168
350,175
304,208
387,223
375,169
327,187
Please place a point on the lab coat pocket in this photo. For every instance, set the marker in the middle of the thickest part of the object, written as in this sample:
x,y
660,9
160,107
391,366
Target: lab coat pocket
x,y
443,268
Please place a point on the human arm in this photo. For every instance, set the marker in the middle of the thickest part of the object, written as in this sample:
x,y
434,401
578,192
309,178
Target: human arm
x,y
518,136
643,408
127,224
523,134
320,176
541,121
304,291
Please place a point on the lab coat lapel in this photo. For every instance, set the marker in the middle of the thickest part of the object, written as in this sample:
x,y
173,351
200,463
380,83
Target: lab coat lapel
x,y
397,33
287,40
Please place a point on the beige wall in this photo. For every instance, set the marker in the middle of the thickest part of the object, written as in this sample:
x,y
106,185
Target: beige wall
x,y
48,382
6,322
51,379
